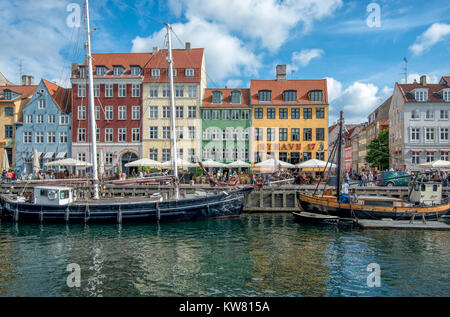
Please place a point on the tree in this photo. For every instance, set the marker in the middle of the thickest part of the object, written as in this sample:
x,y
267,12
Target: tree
x,y
378,155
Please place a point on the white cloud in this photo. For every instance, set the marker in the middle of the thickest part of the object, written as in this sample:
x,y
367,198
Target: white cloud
x,y
302,58
234,83
431,78
434,34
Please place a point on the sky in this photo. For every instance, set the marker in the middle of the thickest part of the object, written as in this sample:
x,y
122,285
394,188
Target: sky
x,y
359,46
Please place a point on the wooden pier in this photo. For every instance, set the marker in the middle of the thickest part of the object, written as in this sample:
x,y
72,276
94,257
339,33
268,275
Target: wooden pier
x,y
402,224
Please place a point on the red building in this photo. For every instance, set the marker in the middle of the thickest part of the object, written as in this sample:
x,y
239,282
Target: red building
x,y
118,108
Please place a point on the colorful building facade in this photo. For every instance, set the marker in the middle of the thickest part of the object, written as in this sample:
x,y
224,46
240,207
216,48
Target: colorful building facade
x,y
289,119
226,125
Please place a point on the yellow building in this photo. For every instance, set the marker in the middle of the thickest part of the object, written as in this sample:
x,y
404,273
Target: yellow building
x,y
289,119
189,87
12,101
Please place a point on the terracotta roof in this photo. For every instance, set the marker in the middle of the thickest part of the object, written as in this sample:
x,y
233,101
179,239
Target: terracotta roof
x,y
182,59
61,96
226,98
302,86
24,91
446,79
434,94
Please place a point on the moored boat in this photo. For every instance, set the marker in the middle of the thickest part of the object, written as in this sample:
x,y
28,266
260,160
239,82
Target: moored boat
x,y
314,218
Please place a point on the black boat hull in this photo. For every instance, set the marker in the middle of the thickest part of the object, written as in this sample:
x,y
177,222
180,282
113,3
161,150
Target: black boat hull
x,y
222,204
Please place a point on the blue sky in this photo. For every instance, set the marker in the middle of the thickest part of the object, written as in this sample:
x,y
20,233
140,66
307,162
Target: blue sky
x,y
245,39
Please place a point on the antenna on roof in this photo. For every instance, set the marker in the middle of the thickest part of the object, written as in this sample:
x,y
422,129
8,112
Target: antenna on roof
x,y
406,69
20,70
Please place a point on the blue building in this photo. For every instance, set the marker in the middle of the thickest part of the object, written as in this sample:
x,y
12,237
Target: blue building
x,y
46,126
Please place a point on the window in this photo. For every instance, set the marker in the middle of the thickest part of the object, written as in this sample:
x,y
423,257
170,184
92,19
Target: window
x,y
270,134
215,134
429,114
258,134
444,134
28,119
421,95
122,113
81,157
444,156
100,71
235,134
122,90
153,91
108,158
180,153
429,134
265,95
27,137
153,154
235,115
444,114
96,90
192,112
206,115
108,90
206,134
174,72
109,133
135,70
7,94
307,134
166,133
216,97
81,135
430,156
192,91
122,134
295,113
290,95
179,112
153,135
216,114
295,134
81,112
258,113
234,154
64,119
189,72
109,113
282,132
315,95
40,118
82,72
97,112
446,95
8,131
258,157
165,112
153,112
282,156
320,134
271,113
283,113
191,133
135,135
135,112
179,91
415,114
235,97
166,155
155,72
9,111
225,134
225,115
307,156
307,113
180,133
135,90
320,156
415,158
82,90
51,137
41,104
415,134
63,137
245,115
244,154
320,113
118,71
165,91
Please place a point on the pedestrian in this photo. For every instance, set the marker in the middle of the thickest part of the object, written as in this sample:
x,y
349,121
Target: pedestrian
x,y
364,179
360,179
370,179
304,177
254,178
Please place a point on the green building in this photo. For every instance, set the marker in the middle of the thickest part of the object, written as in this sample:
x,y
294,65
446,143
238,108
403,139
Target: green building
x,y
226,125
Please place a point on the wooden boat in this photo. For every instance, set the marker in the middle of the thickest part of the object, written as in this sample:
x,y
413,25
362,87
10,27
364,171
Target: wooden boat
x,y
424,201
309,217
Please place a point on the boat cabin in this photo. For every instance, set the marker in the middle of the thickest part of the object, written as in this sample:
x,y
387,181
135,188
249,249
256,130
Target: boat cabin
x,y
428,193
52,195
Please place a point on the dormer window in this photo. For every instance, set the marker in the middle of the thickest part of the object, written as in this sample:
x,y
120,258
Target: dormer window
x,y
290,95
236,97
155,72
189,72
100,71
265,95
446,95
421,95
8,94
118,70
217,97
83,72
315,95
135,70
174,72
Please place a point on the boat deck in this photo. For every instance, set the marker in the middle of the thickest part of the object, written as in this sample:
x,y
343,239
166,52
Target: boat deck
x,y
402,224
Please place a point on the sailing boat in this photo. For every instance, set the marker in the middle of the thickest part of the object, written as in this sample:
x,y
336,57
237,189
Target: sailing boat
x,y
59,202
424,201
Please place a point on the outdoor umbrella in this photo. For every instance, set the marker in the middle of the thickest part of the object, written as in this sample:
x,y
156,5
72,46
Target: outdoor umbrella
x,y
144,162
435,164
238,164
211,163
314,163
36,164
5,162
69,162
272,163
180,162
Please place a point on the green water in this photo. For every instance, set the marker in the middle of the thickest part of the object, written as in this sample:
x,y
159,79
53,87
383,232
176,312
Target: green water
x,y
253,255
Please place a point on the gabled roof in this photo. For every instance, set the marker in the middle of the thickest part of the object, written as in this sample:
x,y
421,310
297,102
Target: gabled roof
x,y
445,80
4,81
433,91
302,86
226,98
24,91
61,96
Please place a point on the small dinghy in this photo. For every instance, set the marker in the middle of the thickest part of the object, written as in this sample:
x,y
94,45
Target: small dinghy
x,y
310,217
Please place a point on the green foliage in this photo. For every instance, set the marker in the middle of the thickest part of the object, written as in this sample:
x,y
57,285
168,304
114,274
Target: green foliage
x,y
378,154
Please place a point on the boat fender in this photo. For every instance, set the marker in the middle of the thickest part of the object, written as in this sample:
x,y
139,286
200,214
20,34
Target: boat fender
x,y
52,195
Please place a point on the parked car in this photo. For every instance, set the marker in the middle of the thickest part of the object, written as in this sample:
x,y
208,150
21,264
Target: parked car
x,y
394,178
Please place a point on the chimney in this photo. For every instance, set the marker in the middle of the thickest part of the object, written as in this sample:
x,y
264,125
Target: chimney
x,y
281,72
74,68
423,80
188,46
27,80
155,50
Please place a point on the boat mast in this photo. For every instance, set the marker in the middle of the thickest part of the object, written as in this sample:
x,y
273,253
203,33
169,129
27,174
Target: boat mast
x,y
172,114
338,180
91,108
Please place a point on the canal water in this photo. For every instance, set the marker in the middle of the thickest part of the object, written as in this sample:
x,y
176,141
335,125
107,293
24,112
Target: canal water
x,y
253,255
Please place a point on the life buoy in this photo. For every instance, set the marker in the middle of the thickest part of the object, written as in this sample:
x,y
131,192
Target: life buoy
x,y
52,195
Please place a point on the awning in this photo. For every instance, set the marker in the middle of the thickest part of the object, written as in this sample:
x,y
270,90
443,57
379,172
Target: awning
x,y
49,155
431,151
61,155
416,151
445,151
